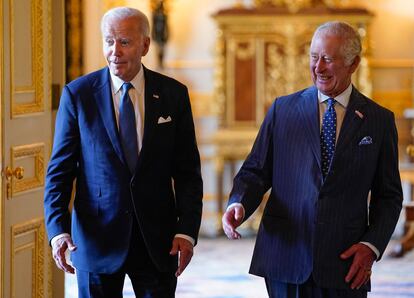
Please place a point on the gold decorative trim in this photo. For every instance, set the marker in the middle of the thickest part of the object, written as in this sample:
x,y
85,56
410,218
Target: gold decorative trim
x,y
36,227
219,77
36,151
48,257
277,43
295,5
36,88
50,264
244,52
49,55
2,103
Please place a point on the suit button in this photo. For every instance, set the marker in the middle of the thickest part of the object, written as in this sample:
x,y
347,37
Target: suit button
x,y
127,212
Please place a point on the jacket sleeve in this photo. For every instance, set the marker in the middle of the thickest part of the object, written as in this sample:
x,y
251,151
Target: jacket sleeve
x,y
255,175
62,167
386,193
188,184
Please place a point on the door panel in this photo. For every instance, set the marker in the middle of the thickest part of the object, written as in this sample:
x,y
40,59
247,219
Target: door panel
x,y
26,74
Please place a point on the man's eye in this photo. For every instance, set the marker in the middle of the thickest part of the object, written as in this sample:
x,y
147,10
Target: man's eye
x,y
124,43
327,59
109,42
314,57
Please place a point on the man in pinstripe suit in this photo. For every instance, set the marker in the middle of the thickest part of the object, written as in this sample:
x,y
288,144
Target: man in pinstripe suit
x,y
321,231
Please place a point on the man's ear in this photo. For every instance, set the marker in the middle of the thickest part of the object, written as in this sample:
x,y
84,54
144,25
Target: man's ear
x,y
355,64
147,42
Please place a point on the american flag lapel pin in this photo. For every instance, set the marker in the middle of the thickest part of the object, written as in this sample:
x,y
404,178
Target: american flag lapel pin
x,y
359,114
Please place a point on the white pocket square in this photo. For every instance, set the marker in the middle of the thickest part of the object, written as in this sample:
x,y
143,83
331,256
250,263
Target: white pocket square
x,y
365,141
164,120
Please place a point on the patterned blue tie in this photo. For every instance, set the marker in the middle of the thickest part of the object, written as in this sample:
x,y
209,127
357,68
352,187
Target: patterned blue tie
x,y
128,128
328,136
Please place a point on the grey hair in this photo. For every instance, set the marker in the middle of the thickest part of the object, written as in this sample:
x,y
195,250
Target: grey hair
x,y
351,48
121,13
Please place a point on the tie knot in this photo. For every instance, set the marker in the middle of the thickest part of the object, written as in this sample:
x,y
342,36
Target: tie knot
x,y
126,87
331,102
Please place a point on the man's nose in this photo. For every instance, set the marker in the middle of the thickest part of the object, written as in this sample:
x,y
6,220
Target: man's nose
x,y
319,65
116,49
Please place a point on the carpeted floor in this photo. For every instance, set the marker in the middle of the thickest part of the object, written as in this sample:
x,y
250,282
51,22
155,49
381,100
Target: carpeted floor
x,y
219,270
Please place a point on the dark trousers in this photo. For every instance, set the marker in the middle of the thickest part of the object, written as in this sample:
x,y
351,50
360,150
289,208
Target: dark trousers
x,y
146,280
309,289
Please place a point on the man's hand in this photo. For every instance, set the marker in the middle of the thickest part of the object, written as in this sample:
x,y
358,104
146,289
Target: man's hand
x,y
360,271
231,220
184,249
58,251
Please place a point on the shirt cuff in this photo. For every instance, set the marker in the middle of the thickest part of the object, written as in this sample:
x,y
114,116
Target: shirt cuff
x,y
191,239
57,237
372,247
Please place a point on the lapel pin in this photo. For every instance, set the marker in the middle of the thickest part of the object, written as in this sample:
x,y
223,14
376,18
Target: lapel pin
x,y
156,96
359,114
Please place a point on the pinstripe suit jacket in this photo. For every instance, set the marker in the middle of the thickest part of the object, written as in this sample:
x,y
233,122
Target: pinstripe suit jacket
x,y
308,223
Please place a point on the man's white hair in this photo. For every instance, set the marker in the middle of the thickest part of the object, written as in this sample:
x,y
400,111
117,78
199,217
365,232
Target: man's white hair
x,y
351,48
121,13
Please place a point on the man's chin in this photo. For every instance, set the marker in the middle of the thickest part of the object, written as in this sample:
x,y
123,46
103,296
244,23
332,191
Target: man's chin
x,y
117,72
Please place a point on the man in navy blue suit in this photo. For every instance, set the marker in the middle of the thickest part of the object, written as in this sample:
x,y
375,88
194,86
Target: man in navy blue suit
x,y
126,135
329,155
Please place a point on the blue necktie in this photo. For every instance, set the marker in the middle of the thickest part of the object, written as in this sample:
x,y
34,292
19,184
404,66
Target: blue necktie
x,y
128,128
328,136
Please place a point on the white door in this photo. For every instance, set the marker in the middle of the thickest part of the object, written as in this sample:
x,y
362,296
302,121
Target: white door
x,y
26,129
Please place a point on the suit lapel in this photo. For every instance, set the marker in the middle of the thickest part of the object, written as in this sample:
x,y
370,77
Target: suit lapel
x,y
309,113
104,102
152,107
352,121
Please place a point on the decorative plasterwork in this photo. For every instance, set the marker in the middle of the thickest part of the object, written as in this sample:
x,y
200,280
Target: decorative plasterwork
x,y
35,90
34,230
36,152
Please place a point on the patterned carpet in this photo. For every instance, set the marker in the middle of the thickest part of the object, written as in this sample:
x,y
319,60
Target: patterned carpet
x,y
219,270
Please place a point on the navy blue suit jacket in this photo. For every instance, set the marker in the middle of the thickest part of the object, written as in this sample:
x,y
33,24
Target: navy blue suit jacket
x,y
164,193
308,223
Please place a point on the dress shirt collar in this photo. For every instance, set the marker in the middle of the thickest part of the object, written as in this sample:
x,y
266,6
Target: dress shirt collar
x,y
342,98
137,82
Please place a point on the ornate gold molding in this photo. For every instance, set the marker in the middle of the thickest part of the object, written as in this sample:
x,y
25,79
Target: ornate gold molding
x,y
219,101
36,88
295,5
19,232
35,152
49,54
276,48
2,105
243,49
50,264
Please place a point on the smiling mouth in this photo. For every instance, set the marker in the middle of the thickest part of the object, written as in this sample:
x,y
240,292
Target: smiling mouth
x,y
323,78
